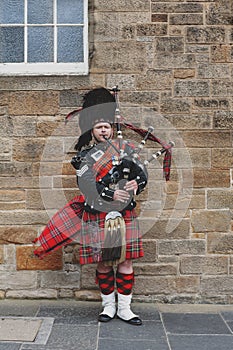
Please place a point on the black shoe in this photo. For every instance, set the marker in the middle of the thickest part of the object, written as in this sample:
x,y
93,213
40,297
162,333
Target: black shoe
x,y
104,318
135,321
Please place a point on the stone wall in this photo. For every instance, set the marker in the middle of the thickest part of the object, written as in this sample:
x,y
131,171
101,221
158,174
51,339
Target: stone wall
x,y
173,61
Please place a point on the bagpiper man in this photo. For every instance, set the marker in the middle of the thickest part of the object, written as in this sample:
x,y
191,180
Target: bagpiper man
x,y
102,219
108,178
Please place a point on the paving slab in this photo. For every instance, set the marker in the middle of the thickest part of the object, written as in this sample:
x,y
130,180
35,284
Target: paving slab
x,y
10,346
20,330
201,342
77,314
113,344
117,329
195,324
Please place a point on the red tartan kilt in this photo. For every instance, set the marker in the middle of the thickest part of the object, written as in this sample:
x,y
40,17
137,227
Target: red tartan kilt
x,y
88,253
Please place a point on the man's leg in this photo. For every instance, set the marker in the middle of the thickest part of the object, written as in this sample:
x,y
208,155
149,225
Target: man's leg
x,y
124,282
106,281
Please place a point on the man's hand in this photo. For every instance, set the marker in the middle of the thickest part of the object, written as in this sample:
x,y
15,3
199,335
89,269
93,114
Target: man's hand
x,y
131,186
121,196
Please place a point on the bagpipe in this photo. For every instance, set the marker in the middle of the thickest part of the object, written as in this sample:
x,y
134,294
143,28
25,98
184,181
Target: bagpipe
x,y
147,135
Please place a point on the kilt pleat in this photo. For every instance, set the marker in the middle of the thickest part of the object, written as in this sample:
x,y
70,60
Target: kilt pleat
x,y
92,239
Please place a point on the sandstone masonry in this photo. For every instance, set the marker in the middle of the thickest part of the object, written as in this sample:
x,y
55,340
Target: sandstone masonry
x,y
173,61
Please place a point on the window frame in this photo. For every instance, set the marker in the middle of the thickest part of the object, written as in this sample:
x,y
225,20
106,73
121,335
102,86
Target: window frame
x,y
52,68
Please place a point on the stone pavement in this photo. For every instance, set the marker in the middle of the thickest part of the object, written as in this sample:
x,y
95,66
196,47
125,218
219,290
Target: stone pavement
x,y
72,325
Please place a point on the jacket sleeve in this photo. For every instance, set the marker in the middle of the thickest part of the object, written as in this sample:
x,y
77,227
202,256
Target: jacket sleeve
x,y
86,179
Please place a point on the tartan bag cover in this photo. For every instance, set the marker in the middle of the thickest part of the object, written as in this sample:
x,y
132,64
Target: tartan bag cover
x,y
63,228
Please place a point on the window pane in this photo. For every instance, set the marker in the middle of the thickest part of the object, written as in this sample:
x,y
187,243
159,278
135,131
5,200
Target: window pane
x,y
40,12
11,44
11,11
70,44
40,44
70,11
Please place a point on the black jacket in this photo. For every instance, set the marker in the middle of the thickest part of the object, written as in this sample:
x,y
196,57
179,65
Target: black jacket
x,y
99,194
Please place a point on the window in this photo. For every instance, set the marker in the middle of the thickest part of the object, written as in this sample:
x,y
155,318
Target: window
x,y
43,37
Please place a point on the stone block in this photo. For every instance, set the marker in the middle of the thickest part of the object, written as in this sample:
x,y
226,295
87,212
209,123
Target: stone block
x,y
88,277
166,285
24,126
122,5
144,98
175,105
23,217
174,60
220,199
217,285
170,7
32,294
219,15
194,121
186,19
33,103
158,229
184,73
220,53
181,246
154,79
49,199
206,35
12,195
71,98
124,81
200,158
220,243
157,269
211,220
221,88
151,29
159,17
45,128
121,57
45,169
222,158
59,279
12,205
26,260
210,178
11,169
199,49
191,88
35,149
169,44
65,182
150,251
17,234
204,265
207,139
213,71
211,103
18,280
223,120
84,295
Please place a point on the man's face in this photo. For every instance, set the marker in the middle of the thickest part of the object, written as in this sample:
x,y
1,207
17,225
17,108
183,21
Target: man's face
x,y
101,131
